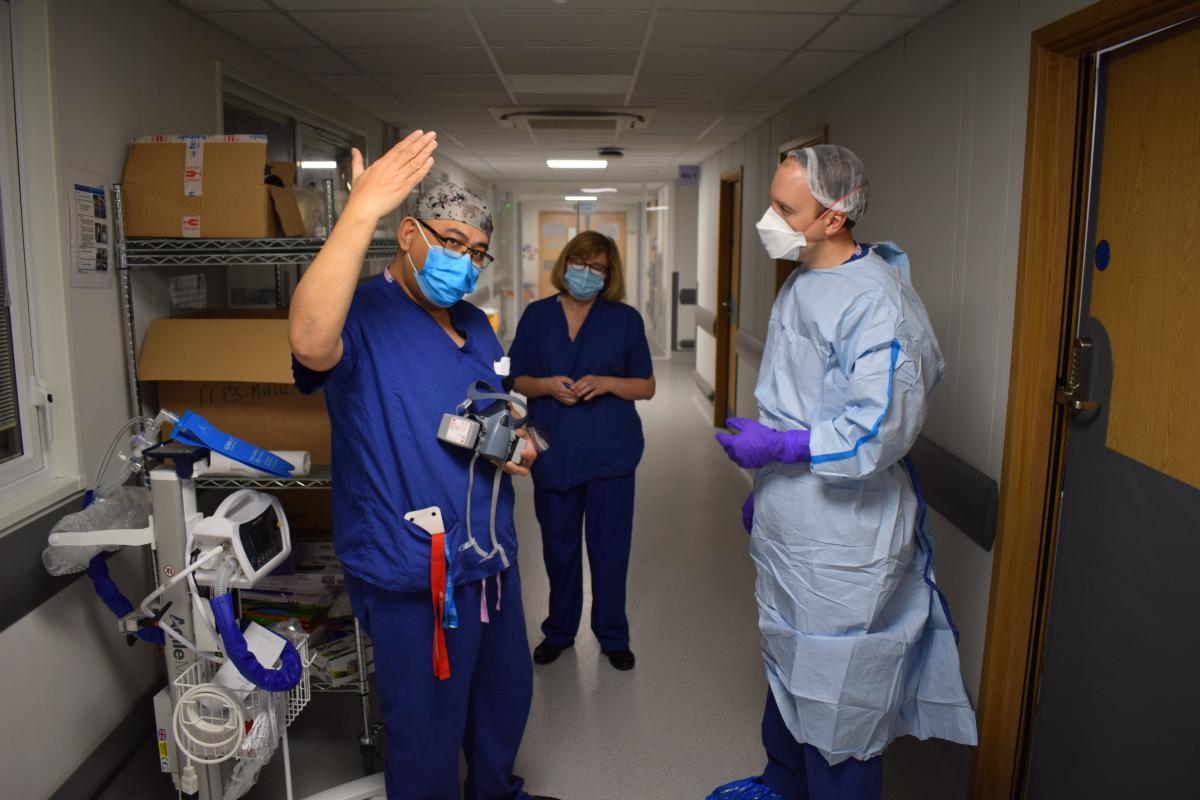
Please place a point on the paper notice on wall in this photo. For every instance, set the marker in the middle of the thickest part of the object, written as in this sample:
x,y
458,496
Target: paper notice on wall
x,y
91,229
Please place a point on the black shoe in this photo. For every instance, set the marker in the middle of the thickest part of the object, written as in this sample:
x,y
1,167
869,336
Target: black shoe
x,y
546,653
541,797
620,659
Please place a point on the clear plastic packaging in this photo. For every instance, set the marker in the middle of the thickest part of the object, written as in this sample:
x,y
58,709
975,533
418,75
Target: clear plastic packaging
x,y
125,508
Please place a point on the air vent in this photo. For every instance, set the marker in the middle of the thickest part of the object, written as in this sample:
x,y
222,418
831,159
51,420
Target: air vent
x,y
543,124
538,118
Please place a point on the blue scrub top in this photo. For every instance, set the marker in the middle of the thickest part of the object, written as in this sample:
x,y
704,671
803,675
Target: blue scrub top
x,y
600,438
399,373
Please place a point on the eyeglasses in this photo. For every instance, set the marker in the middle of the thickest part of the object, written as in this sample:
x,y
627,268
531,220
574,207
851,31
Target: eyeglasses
x,y
599,270
458,248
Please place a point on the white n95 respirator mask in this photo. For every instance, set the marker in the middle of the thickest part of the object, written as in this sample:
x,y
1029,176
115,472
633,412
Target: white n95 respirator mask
x,y
778,237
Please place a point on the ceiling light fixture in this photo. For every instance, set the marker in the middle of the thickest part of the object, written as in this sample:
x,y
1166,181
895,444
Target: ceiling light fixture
x,y
658,208
318,165
567,163
580,198
598,191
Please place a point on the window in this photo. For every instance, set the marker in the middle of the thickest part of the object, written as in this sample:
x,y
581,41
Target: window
x,y
20,441
319,149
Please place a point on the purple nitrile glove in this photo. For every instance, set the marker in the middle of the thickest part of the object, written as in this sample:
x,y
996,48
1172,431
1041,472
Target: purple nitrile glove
x,y
748,513
757,445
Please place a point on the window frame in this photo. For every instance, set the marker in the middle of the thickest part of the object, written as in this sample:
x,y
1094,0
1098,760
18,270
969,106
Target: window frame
x,y
44,293
31,459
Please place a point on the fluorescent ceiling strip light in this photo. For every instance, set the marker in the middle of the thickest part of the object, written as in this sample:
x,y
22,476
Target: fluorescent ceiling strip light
x,y
318,165
566,163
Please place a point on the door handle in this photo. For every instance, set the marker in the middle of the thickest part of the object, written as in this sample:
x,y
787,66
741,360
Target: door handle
x,y
1073,391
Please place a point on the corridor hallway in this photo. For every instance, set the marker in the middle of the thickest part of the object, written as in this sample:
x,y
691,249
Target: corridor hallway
x,y
687,718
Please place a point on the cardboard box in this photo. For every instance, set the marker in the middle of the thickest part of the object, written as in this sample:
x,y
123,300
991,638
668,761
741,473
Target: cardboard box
x,y
336,662
237,374
287,209
203,187
316,556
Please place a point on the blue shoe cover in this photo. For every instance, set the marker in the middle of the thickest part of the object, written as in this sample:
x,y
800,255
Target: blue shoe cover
x,y
745,789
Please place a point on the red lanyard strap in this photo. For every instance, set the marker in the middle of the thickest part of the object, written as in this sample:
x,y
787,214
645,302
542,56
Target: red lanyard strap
x,y
437,587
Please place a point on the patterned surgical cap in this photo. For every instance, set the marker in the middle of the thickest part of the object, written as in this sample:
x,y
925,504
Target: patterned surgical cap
x,y
451,201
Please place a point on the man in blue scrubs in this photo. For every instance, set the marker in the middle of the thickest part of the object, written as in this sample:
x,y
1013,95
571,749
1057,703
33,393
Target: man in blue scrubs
x,y
393,355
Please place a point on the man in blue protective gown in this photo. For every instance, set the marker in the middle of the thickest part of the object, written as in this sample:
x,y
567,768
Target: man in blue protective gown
x,y
858,642
442,608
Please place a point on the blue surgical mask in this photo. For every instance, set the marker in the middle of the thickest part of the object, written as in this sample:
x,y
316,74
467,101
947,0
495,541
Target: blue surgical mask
x,y
583,283
445,277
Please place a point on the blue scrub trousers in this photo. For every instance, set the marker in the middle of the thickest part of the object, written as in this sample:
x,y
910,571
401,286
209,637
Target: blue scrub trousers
x,y
799,772
607,507
481,710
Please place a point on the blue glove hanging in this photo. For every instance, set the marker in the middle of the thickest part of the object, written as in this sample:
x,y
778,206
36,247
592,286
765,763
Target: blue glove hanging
x,y
757,445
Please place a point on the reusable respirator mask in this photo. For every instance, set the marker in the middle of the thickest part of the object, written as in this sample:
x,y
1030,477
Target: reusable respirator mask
x,y
490,432
445,277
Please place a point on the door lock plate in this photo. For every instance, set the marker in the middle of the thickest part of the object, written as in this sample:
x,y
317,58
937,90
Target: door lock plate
x,y
1073,392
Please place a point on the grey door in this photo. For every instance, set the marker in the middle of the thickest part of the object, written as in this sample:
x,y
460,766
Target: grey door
x,y
1119,701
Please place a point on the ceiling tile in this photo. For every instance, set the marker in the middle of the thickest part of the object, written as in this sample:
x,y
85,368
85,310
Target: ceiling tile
x,y
264,29
750,118
419,60
451,102
688,85
785,6
677,122
920,8
442,84
684,102
568,84
573,60
378,102
562,27
226,5
766,103
584,100
712,61
550,5
351,84
470,119
807,71
386,28
749,31
314,61
365,5
862,34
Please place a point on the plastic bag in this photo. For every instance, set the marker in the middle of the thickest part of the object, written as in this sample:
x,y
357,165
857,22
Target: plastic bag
x,y
127,508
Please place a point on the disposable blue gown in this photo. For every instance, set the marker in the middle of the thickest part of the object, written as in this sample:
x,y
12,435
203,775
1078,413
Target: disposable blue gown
x,y
858,643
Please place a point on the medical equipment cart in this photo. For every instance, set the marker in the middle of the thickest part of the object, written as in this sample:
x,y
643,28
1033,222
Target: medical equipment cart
x,y
138,255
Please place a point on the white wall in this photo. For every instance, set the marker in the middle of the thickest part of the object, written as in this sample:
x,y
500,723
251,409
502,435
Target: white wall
x,y
939,119
684,219
708,210
120,69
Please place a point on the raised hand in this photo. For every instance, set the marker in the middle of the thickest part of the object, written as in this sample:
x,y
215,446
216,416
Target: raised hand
x,y
379,189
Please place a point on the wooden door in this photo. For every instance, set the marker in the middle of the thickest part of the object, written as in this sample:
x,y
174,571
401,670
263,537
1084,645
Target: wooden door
x,y
1120,657
729,270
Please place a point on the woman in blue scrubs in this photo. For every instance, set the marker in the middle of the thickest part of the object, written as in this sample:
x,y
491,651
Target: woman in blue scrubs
x,y
582,358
